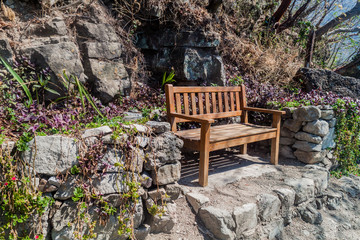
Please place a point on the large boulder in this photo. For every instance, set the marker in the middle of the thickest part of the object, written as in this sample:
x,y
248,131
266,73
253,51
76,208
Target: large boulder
x,y
51,155
329,81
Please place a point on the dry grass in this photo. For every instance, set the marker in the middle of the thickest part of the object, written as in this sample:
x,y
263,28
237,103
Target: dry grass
x,y
7,12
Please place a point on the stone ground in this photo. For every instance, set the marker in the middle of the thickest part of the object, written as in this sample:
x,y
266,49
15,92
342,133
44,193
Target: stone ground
x,y
236,179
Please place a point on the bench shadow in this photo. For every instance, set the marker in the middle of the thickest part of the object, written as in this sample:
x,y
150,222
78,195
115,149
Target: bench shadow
x,y
224,160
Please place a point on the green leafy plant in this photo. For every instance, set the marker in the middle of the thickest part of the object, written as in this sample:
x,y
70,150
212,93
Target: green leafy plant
x,y
78,194
75,170
41,86
236,81
17,78
168,79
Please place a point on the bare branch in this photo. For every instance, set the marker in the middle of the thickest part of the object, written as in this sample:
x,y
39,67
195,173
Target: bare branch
x,y
344,30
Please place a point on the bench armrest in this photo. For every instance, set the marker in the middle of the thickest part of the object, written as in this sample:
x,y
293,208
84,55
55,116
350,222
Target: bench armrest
x,y
192,118
264,110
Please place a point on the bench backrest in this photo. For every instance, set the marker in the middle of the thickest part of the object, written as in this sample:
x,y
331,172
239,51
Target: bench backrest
x,y
211,102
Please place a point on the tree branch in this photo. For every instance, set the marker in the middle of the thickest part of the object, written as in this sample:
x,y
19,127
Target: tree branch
x,y
344,30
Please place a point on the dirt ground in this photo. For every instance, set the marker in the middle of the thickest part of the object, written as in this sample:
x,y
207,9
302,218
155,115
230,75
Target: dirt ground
x,y
237,179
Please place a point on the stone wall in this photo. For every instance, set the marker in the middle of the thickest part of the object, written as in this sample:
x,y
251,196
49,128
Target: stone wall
x,y
155,163
307,134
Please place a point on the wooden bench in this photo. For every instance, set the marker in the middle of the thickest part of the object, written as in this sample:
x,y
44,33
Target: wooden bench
x,y
203,105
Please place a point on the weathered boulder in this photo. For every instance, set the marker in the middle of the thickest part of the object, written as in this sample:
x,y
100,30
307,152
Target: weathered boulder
x,y
51,154
268,205
303,136
66,189
164,149
310,215
318,127
100,32
110,183
54,26
245,218
286,152
287,198
164,223
307,147
158,127
142,232
111,78
320,176
166,174
293,125
309,157
307,113
326,80
102,50
285,132
196,200
287,141
5,49
304,188
97,132
218,221
327,114
329,139
132,116
173,191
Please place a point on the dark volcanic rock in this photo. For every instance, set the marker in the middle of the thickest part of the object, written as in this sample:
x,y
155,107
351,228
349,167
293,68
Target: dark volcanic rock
x,y
328,81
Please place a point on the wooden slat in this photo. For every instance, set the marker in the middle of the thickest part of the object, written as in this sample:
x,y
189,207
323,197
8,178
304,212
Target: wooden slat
x,y
239,141
201,106
220,101
232,101
178,103
212,116
213,99
207,102
244,115
237,97
205,89
226,101
226,132
193,103
186,104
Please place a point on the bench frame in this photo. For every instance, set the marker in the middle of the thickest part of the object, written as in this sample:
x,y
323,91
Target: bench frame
x,y
225,102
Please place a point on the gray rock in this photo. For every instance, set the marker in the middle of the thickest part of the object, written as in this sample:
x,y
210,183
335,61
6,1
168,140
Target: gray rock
x,y
111,79
5,49
66,189
54,181
51,154
110,183
7,146
349,186
97,31
289,111
273,230
287,141
110,158
146,180
166,174
304,189
173,191
308,137
318,127
321,178
307,147
142,232
268,205
164,149
284,132
310,215
142,141
158,127
293,125
287,198
157,194
329,81
197,200
140,128
97,132
164,223
132,116
327,114
332,123
103,50
333,199
245,218
218,221
307,114
329,140
286,152
309,157
57,57
51,27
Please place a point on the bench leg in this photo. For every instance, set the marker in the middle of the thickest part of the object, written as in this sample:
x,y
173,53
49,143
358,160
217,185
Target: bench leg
x,y
204,154
275,141
243,149
274,151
